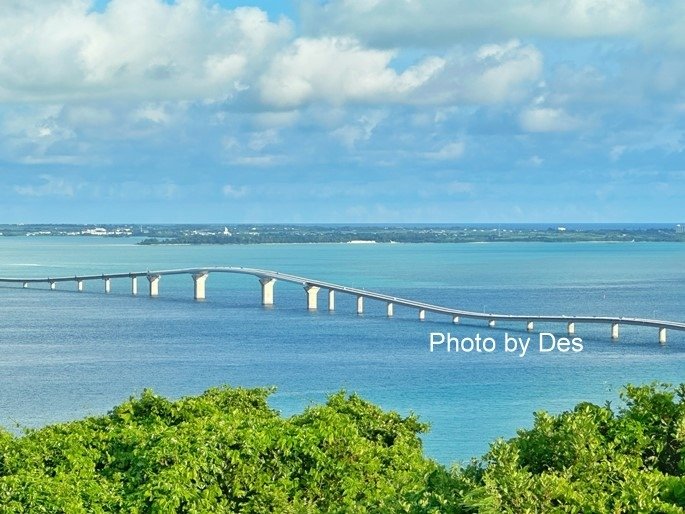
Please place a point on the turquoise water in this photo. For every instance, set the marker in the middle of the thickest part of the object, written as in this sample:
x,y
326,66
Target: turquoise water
x,y
64,355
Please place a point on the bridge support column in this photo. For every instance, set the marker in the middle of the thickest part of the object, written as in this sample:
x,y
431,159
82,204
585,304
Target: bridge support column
x,y
390,309
154,284
199,280
614,331
422,314
571,328
134,286
312,295
108,284
53,285
360,305
267,290
455,319
491,323
331,300
79,285
529,326
662,335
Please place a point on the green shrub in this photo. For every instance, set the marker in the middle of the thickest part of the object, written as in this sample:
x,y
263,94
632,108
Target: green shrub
x,y
227,451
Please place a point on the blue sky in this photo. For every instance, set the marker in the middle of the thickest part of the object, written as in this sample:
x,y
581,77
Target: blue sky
x,y
342,111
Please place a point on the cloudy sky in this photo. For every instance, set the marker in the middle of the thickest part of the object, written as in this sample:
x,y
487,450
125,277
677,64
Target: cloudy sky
x,y
342,111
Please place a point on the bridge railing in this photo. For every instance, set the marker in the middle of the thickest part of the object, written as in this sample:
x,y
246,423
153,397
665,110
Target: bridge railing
x,y
268,279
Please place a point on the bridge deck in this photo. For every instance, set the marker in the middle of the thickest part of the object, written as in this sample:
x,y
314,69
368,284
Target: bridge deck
x,y
303,281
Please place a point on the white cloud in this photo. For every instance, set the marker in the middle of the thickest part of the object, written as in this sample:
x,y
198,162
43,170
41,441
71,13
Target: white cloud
x,y
492,74
51,186
256,160
336,70
39,135
141,49
448,152
234,191
87,116
545,119
152,52
278,119
361,130
534,161
447,22
152,113
260,140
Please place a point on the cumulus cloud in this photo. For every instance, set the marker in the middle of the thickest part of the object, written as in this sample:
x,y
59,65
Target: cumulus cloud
x,y
133,49
336,70
493,73
546,119
151,51
446,22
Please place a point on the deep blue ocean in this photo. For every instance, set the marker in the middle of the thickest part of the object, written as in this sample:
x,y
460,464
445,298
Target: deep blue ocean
x,y
65,355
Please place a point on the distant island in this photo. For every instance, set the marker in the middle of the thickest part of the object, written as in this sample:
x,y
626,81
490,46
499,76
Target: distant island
x,y
196,234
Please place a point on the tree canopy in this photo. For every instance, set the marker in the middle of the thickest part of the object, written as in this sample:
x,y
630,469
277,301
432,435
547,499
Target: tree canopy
x,y
228,451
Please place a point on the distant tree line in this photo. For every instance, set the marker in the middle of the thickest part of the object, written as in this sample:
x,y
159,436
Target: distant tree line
x,y
420,236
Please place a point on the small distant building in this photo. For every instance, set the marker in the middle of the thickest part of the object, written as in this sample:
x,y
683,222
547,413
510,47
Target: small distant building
x,y
97,231
680,229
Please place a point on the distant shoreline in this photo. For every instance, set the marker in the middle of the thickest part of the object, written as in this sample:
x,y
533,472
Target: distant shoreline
x,y
356,234
366,236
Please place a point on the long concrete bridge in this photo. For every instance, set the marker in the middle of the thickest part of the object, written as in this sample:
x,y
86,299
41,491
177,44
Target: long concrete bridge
x,y
268,279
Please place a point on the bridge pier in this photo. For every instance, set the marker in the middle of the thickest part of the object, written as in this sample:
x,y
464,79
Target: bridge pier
x,y
154,284
312,287
267,290
199,280
312,296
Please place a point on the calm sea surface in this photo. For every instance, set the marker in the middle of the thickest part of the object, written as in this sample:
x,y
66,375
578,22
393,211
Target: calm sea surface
x,y
65,355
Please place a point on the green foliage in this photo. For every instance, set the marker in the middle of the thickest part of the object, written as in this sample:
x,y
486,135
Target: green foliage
x,y
590,459
224,451
227,451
